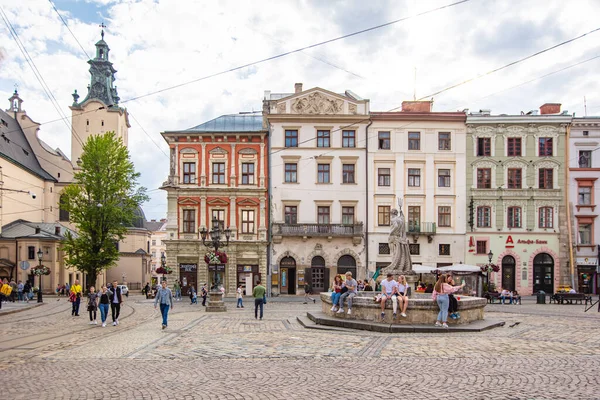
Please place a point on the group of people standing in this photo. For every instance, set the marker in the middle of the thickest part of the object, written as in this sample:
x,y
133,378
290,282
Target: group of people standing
x,y
13,291
443,295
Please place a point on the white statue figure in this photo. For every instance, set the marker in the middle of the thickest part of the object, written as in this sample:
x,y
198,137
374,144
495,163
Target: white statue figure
x,y
399,245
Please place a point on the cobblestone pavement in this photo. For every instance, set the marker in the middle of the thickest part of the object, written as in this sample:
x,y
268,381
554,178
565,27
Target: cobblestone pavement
x,y
45,353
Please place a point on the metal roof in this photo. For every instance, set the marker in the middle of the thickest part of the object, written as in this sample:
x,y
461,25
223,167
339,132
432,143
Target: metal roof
x,y
25,229
15,148
231,123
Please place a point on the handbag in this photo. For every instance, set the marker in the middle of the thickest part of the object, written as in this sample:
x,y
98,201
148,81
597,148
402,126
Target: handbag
x,y
265,299
344,290
90,307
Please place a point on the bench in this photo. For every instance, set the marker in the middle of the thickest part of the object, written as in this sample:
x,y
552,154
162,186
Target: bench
x,y
493,296
569,298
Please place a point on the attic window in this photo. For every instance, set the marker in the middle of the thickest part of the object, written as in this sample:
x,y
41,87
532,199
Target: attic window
x,y
4,123
26,152
5,138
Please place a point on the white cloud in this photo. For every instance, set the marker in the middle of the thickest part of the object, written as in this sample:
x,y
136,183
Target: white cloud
x,y
156,44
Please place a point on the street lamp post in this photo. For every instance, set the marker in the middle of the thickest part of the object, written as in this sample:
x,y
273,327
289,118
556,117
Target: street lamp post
x,y
213,239
490,257
40,254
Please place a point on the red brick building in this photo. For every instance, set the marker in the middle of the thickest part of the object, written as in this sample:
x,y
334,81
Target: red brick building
x,y
218,171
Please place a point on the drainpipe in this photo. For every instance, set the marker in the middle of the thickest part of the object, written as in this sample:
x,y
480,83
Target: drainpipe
x,y
269,219
367,196
568,206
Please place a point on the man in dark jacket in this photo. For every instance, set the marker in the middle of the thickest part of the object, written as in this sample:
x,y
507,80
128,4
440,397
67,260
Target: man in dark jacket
x,y
115,302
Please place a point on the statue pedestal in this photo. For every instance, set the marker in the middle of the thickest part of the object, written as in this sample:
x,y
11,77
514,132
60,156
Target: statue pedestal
x,y
215,302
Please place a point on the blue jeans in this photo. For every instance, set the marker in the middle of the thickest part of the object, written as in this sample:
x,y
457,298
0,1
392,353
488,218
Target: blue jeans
x,y
75,310
349,296
103,311
164,311
443,303
240,302
178,294
335,297
258,303
20,295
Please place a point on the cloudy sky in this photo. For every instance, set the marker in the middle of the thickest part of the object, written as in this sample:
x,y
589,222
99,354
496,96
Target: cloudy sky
x,y
156,44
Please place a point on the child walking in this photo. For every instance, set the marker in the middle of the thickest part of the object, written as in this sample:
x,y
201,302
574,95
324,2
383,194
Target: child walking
x,y
92,305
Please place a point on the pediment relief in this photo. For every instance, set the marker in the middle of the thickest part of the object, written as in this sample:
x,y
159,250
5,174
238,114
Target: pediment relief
x,y
188,150
515,131
248,150
247,202
485,164
549,163
484,131
218,150
317,103
186,201
548,130
217,202
518,163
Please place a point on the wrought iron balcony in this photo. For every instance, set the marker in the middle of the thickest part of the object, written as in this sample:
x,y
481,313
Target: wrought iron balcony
x,y
325,230
423,228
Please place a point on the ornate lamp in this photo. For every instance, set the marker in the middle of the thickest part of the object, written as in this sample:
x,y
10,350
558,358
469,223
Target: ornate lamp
x,y
40,255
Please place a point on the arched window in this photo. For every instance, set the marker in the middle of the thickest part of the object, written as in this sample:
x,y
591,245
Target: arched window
x,y
317,261
63,214
346,263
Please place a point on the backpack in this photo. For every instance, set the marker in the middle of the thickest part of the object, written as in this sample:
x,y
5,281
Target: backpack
x,y
6,290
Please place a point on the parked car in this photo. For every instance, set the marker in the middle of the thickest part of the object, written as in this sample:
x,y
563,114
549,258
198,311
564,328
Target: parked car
x,y
124,290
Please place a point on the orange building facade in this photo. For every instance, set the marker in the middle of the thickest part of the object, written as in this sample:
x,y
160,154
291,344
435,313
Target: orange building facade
x,y
218,172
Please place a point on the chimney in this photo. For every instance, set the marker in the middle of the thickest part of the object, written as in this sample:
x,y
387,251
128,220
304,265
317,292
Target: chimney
x,y
550,108
298,87
417,106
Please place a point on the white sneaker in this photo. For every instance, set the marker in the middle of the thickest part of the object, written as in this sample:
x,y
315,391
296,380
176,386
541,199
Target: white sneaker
x,y
445,325
349,311
104,324
115,323
95,322
403,314
333,308
340,311
437,323
91,322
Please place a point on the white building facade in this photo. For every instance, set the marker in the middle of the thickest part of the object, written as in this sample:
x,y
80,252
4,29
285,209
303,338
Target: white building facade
x,y
418,156
317,178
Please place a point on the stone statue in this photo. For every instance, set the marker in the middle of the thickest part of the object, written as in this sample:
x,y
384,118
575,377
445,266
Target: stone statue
x,y
399,245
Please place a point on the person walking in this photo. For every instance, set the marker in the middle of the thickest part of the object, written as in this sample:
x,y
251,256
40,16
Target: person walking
x,y
204,293
193,295
27,291
440,295
147,290
104,303
240,298
76,293
177,289
115,302
20,288
92,305
164,297
259,294
307,293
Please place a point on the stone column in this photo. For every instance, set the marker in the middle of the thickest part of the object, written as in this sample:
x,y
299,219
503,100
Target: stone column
x,y
261,166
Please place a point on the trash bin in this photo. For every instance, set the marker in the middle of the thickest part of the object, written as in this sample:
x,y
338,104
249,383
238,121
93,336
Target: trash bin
x,y
541,298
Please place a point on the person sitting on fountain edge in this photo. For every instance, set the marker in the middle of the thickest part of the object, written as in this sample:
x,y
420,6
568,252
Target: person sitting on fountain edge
x,y
350,285
388,291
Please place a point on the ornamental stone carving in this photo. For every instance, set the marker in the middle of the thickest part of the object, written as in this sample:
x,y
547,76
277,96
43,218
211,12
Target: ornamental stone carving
x,y
485,164
248,150
546,163
188,150
281,108
516,164
352,109
218,150
316,103
551,131
515,131
484,131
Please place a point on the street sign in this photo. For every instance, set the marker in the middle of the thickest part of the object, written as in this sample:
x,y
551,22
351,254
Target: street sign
x,y
24,265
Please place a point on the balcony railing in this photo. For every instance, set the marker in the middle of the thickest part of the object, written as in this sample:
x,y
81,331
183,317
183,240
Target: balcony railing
x,y
318,230
423,228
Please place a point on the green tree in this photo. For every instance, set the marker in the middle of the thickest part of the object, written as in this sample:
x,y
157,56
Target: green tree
x,y
101,204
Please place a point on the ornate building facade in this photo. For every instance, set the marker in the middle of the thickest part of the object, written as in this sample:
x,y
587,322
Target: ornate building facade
x,y
318,173
516,197
218,172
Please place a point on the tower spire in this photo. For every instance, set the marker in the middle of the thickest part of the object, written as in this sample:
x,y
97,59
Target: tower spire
x,y
102,32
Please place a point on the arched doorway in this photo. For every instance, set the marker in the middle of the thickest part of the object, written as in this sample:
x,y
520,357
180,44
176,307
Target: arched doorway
x,y
508,273
287,270
543,273
345,264
317,275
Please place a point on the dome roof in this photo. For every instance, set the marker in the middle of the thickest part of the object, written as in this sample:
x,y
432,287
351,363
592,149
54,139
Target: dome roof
x,y
139,218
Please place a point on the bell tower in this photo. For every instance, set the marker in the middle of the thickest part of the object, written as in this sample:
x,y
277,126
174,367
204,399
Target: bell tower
x,y
99,112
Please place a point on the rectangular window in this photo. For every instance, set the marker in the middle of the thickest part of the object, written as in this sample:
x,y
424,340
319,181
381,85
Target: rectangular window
x,y
444,250
414,141
348,215
247,173
291,214
383,177
545,178
383,215
585,196
348,173
585,233
291,138
545,147
484,178
444,141
585,159
219,216
323,138
31,252
414,249
189,221
218,173
514,178
414,218
291,173
444,216
323,215
348,138
443,178
384,248
513,147
384,140
414,177
153,242
513,215
484,217
323,173
481,247
545,217
247,221
586,133
484,147
189,172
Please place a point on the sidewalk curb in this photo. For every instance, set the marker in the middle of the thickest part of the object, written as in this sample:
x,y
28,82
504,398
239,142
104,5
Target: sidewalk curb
x,y
20,310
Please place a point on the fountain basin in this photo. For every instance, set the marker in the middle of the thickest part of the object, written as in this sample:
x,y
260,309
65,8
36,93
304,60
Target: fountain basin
x,y
422,310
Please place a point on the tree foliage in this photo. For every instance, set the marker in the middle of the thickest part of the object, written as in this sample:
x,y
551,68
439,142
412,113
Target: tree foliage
x,y
101,204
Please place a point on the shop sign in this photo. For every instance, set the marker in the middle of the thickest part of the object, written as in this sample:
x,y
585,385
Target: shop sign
x,y
510,242
247,268
592,261
188,267
217,267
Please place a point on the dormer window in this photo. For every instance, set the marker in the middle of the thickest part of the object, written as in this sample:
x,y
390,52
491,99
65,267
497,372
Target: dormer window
x,y
101,53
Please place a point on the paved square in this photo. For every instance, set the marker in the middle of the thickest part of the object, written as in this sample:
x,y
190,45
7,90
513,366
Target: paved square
x,y
553,353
